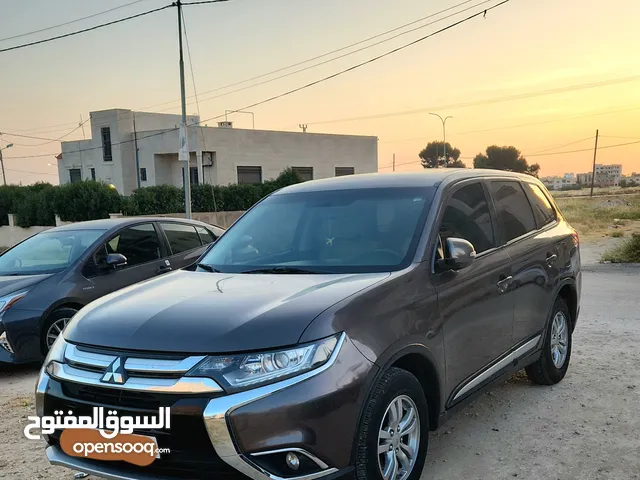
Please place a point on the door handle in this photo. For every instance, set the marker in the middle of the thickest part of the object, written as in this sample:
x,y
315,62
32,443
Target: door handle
x,y
163,269
551,259
504,283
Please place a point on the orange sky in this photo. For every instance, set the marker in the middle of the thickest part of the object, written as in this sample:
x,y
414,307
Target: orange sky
x,y
522,47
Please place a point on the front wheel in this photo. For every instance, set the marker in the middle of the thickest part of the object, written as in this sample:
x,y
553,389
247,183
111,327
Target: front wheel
x,y
393,436
553,363
54,325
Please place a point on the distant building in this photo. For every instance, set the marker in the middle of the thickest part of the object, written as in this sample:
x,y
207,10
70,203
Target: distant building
x,y
558,183
218,155
606,176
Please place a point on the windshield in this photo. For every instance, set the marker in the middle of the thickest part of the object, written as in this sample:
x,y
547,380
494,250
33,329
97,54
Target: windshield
x,y
47,252
339,231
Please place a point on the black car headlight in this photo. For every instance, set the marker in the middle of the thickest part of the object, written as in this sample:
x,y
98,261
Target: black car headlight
x,y
6,303
250,370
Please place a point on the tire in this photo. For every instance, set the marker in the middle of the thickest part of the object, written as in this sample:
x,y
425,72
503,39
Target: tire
x,y
57,317
544,371
395,385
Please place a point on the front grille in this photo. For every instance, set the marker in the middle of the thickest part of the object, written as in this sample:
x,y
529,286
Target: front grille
x,y
192,455
110,396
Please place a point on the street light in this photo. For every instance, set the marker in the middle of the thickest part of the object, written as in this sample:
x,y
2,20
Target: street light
x,y
444,133
4,179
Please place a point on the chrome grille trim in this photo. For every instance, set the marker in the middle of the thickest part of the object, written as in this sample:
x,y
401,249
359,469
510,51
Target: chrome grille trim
x,y
185,385
74,355
150,365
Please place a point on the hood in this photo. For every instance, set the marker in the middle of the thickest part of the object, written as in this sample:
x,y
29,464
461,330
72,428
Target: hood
x,y
201,312
15,283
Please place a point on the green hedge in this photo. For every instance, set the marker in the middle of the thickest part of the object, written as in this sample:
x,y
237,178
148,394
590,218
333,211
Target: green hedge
x,y
87,200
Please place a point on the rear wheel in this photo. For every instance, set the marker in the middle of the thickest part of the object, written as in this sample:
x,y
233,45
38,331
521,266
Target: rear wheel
x,y
394,430
553,363
54,325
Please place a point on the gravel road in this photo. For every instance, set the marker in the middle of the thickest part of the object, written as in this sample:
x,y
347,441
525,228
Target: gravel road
x,y
586,428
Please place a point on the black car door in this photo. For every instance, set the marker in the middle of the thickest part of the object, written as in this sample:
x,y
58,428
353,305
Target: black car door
x,y
477,314
186,242
141,245
530,241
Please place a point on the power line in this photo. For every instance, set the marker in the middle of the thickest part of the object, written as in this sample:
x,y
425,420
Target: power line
x,y
317,57
562,146
321,80
203,2
583,150
71,21
616,136
78,32
504,127
506,98
28,171
49,140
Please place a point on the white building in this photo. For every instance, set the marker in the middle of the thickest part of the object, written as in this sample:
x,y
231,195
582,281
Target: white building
x,y
218,155
558,183
606,176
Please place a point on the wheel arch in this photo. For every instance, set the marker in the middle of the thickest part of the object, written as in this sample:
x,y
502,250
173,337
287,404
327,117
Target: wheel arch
x,y
569,294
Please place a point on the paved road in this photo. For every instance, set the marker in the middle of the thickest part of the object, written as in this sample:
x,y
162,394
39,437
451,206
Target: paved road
x,y
585,428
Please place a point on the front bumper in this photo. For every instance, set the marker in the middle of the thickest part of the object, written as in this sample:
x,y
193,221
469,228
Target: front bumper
x,y
22,332
314,415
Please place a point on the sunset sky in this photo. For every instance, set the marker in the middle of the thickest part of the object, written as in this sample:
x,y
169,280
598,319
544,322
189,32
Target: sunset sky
x,y
523,48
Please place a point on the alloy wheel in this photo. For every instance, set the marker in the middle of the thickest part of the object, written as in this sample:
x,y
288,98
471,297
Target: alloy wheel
x,y
55,330
399,439
559,339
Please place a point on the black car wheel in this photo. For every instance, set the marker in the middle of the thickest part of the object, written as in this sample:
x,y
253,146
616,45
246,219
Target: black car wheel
x,y
54,325
553,363
393,436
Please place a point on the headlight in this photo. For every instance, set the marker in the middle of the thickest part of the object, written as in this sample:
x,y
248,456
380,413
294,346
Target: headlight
x,y
249,370
8,300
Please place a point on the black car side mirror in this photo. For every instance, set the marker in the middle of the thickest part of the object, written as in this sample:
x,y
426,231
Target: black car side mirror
x,y
459,254
116,260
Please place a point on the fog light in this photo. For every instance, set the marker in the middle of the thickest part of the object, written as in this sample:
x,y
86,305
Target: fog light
x,y
4,342
293,462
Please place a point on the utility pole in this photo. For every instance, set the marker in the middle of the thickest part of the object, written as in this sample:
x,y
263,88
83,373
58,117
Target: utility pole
x,y
82,126
444,134
183,153
593,173
394,162
4,178
135,145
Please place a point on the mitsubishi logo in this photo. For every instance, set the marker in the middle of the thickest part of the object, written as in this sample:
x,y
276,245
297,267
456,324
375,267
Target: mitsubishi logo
x,y
115,373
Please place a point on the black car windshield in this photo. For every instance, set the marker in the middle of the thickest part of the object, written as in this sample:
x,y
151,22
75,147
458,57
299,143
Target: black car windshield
x,y
47,252
338,231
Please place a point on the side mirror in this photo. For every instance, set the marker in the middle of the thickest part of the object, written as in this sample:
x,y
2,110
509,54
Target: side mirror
x,y
459,254
116,260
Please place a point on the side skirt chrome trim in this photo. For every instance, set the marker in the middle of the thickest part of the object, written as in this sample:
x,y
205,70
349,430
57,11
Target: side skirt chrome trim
x,y
216,421
496,367
313,458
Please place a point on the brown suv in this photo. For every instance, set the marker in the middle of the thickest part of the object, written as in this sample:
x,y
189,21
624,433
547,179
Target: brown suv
x,y
331,328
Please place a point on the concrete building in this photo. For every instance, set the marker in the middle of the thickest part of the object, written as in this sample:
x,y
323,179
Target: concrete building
x,y
558,183
218,155
606,176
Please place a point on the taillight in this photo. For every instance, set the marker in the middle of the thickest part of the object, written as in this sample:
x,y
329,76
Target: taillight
x,y
576,238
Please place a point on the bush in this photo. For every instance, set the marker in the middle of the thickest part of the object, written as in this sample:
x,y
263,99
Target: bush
x,y
617,234
87,200
152,200
628,252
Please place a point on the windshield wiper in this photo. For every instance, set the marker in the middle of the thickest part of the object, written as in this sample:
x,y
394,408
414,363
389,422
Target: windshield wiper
x,y
208,268
281,270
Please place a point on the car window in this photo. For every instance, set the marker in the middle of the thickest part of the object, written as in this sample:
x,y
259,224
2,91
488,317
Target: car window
x,y
206,236
542,208
466,216
47,252
326,231
515,217
181,237
139,244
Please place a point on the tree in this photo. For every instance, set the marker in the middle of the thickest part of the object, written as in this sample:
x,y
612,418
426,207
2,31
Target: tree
x,y
432,156
505,158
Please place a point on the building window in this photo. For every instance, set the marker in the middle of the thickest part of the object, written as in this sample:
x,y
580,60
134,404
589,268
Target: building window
x,y
249,175
305,173
193,175
106,144
75,175
342,171
93,174
143,174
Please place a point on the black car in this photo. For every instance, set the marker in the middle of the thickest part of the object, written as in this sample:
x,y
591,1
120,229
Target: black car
x,y
48,277
330,328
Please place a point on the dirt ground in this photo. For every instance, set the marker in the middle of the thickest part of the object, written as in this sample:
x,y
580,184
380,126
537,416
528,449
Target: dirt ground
x,y
587,427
